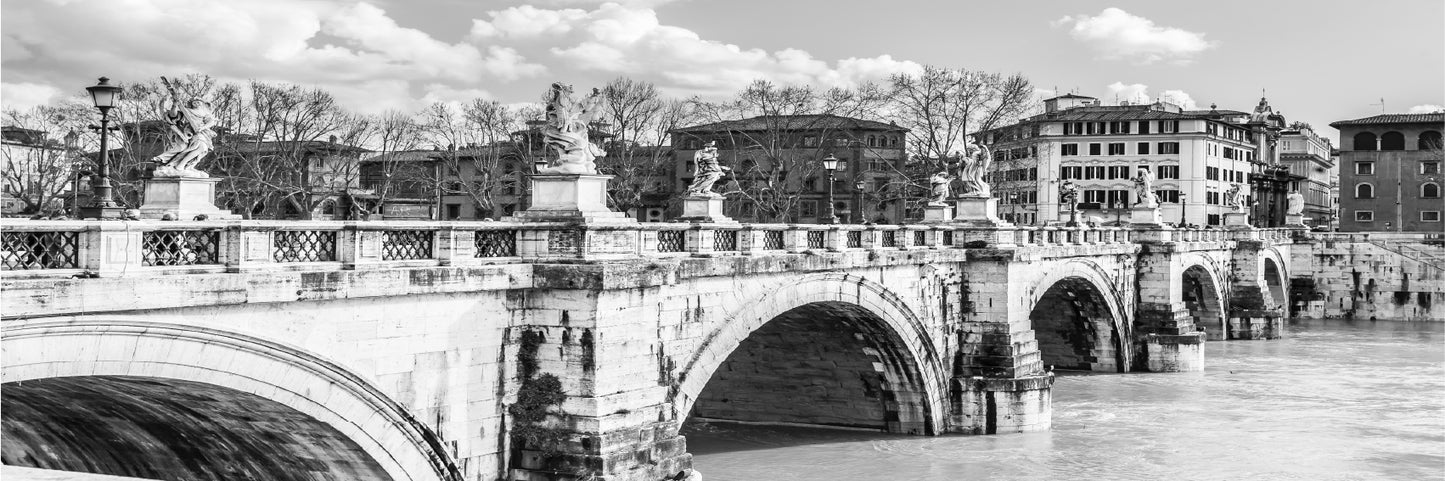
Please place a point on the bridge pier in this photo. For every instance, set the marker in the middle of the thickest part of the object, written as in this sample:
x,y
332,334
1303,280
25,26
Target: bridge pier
x,y
999,384
1257,293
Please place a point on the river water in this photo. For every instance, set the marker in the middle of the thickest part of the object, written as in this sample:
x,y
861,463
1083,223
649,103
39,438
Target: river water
x,y
1333,400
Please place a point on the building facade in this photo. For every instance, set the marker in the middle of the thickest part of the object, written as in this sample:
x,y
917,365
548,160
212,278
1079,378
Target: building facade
x,y
1196,156
1310,156
777,171
1390,177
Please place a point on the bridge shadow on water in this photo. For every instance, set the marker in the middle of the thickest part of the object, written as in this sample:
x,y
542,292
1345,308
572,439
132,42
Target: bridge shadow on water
x,y
714,437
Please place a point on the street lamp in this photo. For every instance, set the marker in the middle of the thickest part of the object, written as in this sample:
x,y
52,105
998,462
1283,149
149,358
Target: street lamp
x,y
102,203
1183,207
858,187
830,164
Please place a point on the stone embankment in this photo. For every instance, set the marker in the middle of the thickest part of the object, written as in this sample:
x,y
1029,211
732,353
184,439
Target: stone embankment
x,y
1371,276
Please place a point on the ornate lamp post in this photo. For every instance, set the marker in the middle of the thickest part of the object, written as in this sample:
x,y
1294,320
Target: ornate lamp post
x,y
102,203
858,217
1183,207
830,164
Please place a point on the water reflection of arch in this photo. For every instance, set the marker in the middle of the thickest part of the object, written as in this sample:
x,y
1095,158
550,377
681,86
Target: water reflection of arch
x,y
144,365
1079,318
909,367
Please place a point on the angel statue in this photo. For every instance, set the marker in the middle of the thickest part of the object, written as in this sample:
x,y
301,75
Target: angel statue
x,y
191,134
566,131
1234,197
1295,203
976,160
706,172
939,187
1144,188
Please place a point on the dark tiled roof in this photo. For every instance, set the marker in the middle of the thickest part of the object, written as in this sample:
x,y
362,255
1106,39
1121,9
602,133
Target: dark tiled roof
x,y
1206,113
1095,114
792,122
1434,118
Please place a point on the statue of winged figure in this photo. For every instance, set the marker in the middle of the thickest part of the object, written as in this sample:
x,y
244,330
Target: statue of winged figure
x,y
192,133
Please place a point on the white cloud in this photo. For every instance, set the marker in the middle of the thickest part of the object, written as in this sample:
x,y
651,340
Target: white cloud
x,y
22,96
526,21
1180,98
1426,109
1117,34
1137,93
626,40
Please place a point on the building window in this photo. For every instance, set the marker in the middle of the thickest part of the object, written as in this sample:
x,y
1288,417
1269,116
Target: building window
x,y
810,141
1168,172
1364,168
1168,126
1430,190
1364,141
1429,140
808,208
1142,148
1364,216
1094,149
1116,148
1429,167
1143,126
1168,196
1069,149
1429,216
1169,147
1364,191
1392,141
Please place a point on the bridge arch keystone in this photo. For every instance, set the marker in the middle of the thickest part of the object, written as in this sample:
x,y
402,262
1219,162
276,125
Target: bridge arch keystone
x,y
125,347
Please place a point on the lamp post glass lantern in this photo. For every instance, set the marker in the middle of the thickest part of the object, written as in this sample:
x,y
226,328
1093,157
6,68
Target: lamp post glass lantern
x,y
858,187
1183,208
102,203
830,164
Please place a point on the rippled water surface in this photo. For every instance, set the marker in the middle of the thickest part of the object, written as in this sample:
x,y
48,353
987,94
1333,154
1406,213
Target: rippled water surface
x,y
1334,400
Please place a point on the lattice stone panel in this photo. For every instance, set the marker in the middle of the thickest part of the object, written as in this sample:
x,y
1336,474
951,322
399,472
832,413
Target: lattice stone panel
x,y
181,247
920,238
304,245
40,250
671,241
948,238
725,240
406,245
855,239
772,240
890,238
496,243
815,239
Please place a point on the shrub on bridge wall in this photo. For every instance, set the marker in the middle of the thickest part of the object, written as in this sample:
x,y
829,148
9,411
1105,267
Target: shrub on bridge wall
x,y
537,395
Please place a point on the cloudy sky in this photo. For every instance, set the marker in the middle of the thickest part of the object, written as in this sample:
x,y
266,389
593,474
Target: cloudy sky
x,y
1318,61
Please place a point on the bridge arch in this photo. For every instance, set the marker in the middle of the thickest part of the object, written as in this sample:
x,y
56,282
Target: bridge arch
x,y
1274,277
146,365
1079,318
1204,298
876,343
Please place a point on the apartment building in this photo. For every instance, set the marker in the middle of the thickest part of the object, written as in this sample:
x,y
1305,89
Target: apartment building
x,y
1390,177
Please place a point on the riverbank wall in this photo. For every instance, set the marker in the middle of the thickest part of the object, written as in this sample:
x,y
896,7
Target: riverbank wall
x,y
1397,277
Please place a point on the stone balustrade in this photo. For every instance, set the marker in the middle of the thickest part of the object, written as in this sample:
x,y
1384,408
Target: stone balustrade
x,y
115,248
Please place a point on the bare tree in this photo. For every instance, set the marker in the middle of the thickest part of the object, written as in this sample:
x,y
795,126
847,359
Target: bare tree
x,y
390,173
477,137
41,159
640,119
776,137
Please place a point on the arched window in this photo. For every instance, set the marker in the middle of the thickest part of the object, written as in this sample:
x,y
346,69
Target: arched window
x,y
1365,141
1429,140
1430,190
872,141
1364,191
1392,141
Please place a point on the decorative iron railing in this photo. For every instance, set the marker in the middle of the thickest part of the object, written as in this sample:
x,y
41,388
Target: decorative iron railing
x,y
495,243
725,240
855,239
40,250
406,245
671,241
815,239
181,247
773,240
304,246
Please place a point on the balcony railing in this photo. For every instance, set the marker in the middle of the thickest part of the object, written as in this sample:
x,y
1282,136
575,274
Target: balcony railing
x,y
114,248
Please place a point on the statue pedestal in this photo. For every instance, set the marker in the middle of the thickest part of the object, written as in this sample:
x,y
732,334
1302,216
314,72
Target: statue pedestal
x,y
1144,215
570,197
977,211
704,209
933,213
1294,219
1236,219
183,197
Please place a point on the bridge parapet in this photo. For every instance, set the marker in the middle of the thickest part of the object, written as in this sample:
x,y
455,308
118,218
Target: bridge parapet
x,y
129,248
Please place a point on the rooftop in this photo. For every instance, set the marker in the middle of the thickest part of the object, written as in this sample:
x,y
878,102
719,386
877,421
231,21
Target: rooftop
x,y
792,122
1431,118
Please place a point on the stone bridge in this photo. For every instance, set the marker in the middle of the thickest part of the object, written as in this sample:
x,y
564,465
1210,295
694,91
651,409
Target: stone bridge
x,y
480,351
